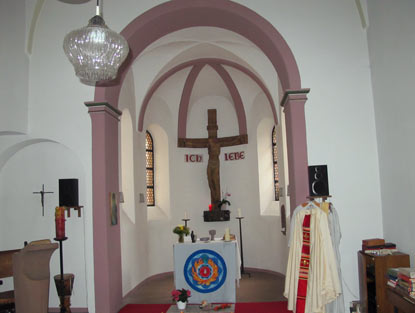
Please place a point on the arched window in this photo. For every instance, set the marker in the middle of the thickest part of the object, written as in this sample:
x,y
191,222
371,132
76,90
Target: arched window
x,y
150,170
275,161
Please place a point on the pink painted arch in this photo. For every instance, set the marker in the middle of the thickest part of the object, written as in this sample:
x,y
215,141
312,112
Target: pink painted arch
x,y
217,65
175,15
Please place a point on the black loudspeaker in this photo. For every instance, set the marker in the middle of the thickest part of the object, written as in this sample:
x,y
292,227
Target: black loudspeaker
x,y
68,192
318,181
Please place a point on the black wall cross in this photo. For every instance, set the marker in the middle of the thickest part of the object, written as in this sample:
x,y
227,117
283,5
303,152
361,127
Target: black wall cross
x,y
42,198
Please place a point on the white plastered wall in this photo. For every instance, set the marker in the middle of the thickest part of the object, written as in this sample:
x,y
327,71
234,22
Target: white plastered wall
x,y
42,97
391,47
14,85
22,220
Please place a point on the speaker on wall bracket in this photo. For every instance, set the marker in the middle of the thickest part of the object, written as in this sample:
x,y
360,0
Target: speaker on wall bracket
x,y
69,195
318,181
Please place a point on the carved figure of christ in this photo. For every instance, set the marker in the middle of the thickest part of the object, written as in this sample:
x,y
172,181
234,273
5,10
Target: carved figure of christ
x,y
213,144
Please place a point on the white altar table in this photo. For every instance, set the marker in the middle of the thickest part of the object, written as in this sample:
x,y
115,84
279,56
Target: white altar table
x,y
209,270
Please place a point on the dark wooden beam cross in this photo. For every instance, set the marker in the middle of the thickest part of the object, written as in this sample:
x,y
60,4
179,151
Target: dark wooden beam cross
x,y
213,144
42,198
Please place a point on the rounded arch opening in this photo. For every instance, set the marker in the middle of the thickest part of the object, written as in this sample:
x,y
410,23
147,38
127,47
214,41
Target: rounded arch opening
x,y
175,15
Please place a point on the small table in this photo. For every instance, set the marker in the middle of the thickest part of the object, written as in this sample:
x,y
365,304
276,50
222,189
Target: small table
x,y
209,270
400,301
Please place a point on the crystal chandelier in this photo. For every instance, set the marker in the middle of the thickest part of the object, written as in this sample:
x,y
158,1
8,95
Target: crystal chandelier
x,y
95,51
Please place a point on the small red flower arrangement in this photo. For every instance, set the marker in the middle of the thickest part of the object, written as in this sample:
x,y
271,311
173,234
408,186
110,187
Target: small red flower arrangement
x,y
180,295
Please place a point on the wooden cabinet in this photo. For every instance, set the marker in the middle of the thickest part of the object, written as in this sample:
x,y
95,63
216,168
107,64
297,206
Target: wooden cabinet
x,y
400,302
373,280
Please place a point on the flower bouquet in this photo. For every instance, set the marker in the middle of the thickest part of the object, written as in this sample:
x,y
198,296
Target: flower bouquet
x,y
181,296
181,231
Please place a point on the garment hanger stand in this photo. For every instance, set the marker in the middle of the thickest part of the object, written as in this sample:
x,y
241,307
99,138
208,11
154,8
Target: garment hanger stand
x,y
323,198
327,208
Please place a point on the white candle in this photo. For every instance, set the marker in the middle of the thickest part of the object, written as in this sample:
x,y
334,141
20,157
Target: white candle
x,y
185,215
227,235
239,212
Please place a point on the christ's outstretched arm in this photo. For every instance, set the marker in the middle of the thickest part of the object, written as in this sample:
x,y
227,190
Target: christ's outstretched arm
x,y
233,140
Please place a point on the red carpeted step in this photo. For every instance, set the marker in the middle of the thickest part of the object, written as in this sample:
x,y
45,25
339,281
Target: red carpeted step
x,y
262,307
145,308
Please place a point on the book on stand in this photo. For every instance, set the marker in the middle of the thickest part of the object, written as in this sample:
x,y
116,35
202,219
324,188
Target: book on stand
x,y
408,271
402,279
392,274
373,242
378,246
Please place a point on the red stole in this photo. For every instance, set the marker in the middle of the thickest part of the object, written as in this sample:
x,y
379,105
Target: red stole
x,y
304,266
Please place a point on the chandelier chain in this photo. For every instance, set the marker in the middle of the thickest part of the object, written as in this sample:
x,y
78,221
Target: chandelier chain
x,y
98,9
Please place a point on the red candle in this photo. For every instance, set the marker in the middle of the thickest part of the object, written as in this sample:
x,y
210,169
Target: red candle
x,y
60,222
210,207
60,228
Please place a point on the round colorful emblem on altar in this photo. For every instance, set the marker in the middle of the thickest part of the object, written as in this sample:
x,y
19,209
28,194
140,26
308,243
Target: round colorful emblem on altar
x,y
205,271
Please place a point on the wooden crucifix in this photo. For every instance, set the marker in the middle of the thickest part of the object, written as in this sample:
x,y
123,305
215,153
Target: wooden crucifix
x,y
213,143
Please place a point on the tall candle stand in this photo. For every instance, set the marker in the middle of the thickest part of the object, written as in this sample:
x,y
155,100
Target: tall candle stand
x,y
241,247
185,220
62,285
64,282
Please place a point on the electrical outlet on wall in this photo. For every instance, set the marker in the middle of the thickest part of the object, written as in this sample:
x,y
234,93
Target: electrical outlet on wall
x,y
141,197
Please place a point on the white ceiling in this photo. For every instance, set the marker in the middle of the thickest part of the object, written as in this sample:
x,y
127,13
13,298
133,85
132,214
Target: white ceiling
x,y
201,42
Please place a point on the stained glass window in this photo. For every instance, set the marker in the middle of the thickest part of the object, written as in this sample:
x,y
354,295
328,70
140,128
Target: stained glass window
x,y
275,161
150,169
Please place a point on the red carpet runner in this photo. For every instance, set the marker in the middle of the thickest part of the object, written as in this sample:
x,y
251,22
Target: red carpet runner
x,y
260,307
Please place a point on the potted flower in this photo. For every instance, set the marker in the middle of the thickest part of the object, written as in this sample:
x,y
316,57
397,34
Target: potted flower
x,y
224,202
181,231
181,297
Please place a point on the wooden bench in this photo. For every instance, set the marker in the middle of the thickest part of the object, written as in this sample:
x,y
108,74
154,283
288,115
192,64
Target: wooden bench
x,y
6,270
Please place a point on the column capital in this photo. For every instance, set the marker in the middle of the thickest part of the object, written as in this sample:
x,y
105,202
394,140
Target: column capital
x,y
293,103
300,94
94,107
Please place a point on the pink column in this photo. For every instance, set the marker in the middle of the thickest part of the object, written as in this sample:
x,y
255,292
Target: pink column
x,y
293,103
107,247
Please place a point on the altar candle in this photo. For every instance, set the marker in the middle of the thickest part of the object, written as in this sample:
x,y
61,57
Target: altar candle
x,y
185,215
239,212
227,235
210,207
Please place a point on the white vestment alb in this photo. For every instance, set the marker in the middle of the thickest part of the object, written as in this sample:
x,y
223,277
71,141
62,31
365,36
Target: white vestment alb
x,y
323,284
337,306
